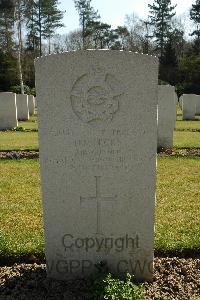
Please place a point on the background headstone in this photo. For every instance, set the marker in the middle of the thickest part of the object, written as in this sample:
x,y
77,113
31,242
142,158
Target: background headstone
x,y
181,102
22,107
189,106
98,138
8,111
197,104
166,115
175,108
31,105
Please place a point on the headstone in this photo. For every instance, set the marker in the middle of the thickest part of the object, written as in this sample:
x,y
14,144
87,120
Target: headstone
x,y
166,116
189,106
176,104
197,104
22,107
31,105
181,102
8,111
97,134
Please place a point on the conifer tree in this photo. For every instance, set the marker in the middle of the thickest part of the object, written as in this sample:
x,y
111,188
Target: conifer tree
x,y
161,13
6,25
51,19
87,16
43,17
195,16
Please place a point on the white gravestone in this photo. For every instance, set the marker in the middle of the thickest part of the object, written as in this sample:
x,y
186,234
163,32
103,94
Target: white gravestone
x,y
22,107
31,105
166,116
181,102
97,134
8,111
189,106
175,107
197,104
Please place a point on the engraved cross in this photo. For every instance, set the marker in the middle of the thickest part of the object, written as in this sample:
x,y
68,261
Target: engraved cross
x,y
98,199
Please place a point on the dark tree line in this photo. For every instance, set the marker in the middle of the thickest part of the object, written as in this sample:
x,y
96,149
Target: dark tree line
x,y
27,30
25,27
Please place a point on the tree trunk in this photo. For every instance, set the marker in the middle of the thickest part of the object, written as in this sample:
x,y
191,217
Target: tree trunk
x,y
40,27
19,33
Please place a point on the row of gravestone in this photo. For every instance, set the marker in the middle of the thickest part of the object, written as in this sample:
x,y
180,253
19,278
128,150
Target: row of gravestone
x,y
190,105
14,108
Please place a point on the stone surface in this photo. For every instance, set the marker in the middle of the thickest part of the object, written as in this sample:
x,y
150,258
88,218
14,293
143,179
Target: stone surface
x,y
189,106
166,115
31,105
175,107
22,107
197,104
181,102
98,138
8,111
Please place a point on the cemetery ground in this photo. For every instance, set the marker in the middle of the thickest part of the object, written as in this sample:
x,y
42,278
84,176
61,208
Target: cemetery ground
x,y
177,239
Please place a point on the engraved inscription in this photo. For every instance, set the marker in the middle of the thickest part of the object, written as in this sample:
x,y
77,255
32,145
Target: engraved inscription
x,y
98,199
95,97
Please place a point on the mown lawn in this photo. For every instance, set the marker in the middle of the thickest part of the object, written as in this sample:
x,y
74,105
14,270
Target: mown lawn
x,y
177,211
178,198
187,125
30,124
17,140
21,140
186,139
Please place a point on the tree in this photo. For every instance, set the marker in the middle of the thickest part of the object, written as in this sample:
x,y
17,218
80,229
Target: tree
x,y
195,16
74,40
19,13
99,33
32,21
161,13
51,19
139,34
43,17
123,34
7,4
87,16
6,25
8,74
190,70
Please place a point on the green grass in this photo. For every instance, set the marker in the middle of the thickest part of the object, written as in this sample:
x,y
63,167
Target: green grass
x,y
12,140
177,212
16,140
30,124
19,140
180,124
187,125
20,208
178,198
186,139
